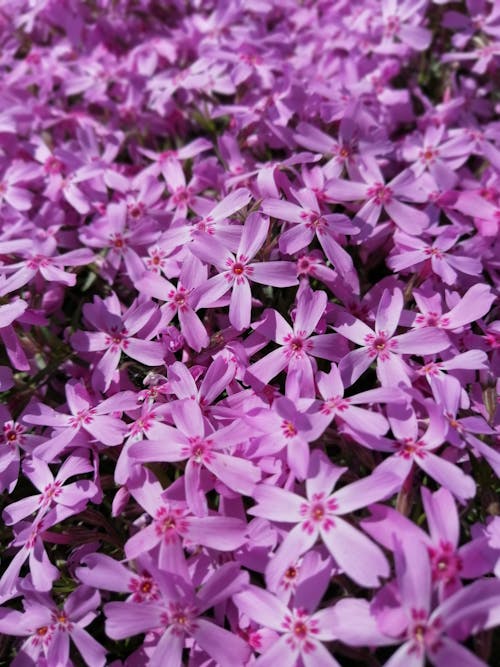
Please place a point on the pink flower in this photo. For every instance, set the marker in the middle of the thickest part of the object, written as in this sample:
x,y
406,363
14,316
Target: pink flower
x,y
96,420
115,334
382,345
301,633
297,345
319,515
237,271
201,447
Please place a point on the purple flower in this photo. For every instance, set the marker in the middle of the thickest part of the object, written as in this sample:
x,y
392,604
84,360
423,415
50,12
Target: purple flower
x,y
383,346
201,447
297,345
237,271
177,617
85,416
49,628
115,334
301,633
319,515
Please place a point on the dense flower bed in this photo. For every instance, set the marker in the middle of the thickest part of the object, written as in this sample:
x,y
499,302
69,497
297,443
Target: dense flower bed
x,y
248,272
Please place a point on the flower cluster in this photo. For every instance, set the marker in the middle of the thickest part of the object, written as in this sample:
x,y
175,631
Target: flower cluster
x,y
248,282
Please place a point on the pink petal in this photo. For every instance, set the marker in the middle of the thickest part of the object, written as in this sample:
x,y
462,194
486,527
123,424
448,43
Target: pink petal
x,y
326,346
92,652
276,504
474,304
262,607
238,474
231,203
195,495
295,239
356,625
126,619
160,450
193,329
103,372
341,190
392,371
310,307
413,573
276,274
354,364
226,648
353,329
141,542
212,252
106,429
415,36
365,420
225,582
20,509
77,493
269,366
209,292
408,218
385,524
318,656
274,326
389,311
147,352
361,559
407,655
240,306
168,651
422,341
339,257
442,516
364,492
253,236
449,652
321,477
188,418
58,648
448,475
104,572
282,210
216,532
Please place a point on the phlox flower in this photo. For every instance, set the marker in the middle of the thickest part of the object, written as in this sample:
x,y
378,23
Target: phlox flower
x,y
319,515
200,447
297,344
450,563
48,629
300,633
117,333
180,299
95,420
383,346
309,221
52,490
178,616
237,271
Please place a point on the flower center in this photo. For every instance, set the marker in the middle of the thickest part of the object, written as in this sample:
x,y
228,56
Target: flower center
x,y
380,193
288,429
238,268
300,629
433,252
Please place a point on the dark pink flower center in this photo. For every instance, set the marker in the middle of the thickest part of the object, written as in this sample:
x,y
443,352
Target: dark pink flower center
x,y
334,404
380,345
380,193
